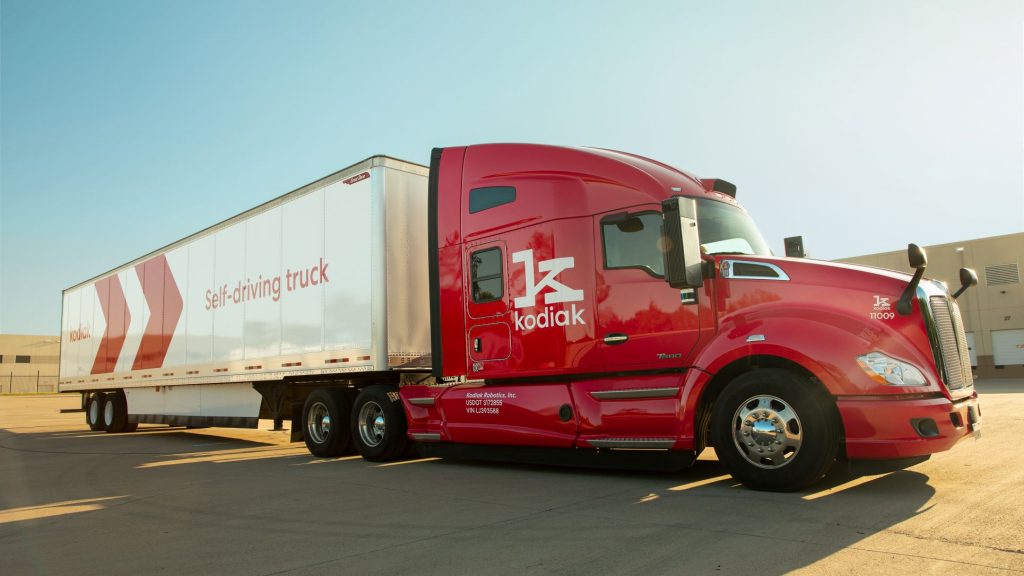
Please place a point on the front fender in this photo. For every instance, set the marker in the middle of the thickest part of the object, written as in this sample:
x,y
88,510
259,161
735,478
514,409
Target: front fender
x,y
821,340
825,341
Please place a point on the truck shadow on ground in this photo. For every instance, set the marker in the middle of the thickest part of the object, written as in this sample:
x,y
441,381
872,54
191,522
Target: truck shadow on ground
x,y
701,520
571,520
175,440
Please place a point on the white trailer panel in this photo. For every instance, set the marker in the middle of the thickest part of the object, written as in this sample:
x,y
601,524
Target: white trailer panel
x,y
326,279
302,317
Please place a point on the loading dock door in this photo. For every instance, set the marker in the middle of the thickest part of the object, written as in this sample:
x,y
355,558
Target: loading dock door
x,y
1008,347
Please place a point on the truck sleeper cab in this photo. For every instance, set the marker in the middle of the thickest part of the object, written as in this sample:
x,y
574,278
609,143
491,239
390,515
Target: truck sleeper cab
x,y
573,306
631,314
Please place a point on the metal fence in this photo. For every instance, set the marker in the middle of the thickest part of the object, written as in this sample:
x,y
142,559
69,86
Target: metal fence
x,y
27,384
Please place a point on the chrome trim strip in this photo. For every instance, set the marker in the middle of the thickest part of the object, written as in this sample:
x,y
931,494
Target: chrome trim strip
x,y
425,401
634,443
755,338
632,393
426,436
727,267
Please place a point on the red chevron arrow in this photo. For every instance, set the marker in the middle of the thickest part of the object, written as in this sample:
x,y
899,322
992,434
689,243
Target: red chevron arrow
x,y
115,311
164,301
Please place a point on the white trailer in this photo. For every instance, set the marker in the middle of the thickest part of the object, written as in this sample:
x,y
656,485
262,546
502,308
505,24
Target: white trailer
x,y
244,319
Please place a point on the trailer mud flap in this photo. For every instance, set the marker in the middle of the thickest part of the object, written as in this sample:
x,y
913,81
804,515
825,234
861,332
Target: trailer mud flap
x,y
297,424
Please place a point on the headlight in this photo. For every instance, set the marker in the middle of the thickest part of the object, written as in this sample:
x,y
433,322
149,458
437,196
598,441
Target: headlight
x,y
890,371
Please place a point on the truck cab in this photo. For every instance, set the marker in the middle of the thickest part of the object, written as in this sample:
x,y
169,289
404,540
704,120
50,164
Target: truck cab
x,y
596,306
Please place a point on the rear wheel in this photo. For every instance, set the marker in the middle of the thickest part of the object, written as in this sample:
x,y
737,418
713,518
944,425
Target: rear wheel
x,y
94,411
378,424
115,413
774,430
325,422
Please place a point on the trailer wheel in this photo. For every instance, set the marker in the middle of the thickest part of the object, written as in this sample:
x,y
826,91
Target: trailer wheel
x,y
378,424
774,430
115,413
94,411
324,417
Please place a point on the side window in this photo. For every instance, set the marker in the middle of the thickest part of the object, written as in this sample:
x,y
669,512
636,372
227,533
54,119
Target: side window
x,y
486,275
481,199
634,241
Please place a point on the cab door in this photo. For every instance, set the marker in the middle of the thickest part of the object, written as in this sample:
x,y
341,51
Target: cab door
x,y
643,323
489,410
487,327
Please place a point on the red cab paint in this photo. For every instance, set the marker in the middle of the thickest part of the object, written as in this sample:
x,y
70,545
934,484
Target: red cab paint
x,y
559,327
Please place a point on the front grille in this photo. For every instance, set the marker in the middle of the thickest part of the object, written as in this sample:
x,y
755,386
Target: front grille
x,y
955,361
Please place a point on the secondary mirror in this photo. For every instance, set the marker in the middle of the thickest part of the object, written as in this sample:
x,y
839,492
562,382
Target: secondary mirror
x,y
918,261
916,255
968,278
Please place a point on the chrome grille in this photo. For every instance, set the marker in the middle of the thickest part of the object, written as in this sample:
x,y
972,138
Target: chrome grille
x,y
949,330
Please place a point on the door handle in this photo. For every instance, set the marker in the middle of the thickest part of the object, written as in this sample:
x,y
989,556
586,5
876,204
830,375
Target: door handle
x,y
615,338
477,345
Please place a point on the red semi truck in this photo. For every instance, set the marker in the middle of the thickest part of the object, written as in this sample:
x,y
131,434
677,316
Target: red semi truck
x,y
523,302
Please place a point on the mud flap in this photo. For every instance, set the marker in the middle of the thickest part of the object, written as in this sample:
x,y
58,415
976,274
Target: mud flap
x,y
296,432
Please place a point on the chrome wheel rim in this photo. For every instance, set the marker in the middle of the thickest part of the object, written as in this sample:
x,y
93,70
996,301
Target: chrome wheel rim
x,y
318,422
767,431
372,425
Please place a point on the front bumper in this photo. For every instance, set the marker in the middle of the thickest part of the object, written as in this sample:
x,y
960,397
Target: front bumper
x,y
882,428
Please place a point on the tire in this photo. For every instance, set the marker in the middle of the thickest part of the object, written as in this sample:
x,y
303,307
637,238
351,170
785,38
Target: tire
x,y
378,424
94,411
115,413
774,430
325,422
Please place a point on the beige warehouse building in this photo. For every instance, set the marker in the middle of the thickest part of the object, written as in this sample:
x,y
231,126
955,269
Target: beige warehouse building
x,y
29,363
993,311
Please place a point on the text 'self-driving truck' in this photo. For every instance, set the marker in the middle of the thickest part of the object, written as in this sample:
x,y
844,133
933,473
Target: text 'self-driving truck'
x,y
526,302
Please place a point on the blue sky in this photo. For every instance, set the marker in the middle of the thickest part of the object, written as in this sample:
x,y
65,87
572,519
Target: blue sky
x,y
863,126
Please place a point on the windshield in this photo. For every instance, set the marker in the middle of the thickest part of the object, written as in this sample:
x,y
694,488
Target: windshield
x,y
727,229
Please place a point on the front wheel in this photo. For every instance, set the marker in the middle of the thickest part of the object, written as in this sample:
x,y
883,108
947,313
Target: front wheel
x,y
774,430
378,424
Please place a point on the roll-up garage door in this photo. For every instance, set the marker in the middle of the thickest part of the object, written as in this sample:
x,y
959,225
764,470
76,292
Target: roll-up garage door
x,y
1008,347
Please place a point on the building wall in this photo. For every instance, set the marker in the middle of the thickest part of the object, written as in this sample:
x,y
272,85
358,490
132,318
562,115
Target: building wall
x,y
996,303
29,363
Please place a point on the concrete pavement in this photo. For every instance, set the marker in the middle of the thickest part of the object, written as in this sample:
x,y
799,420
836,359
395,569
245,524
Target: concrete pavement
x,y
222,501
